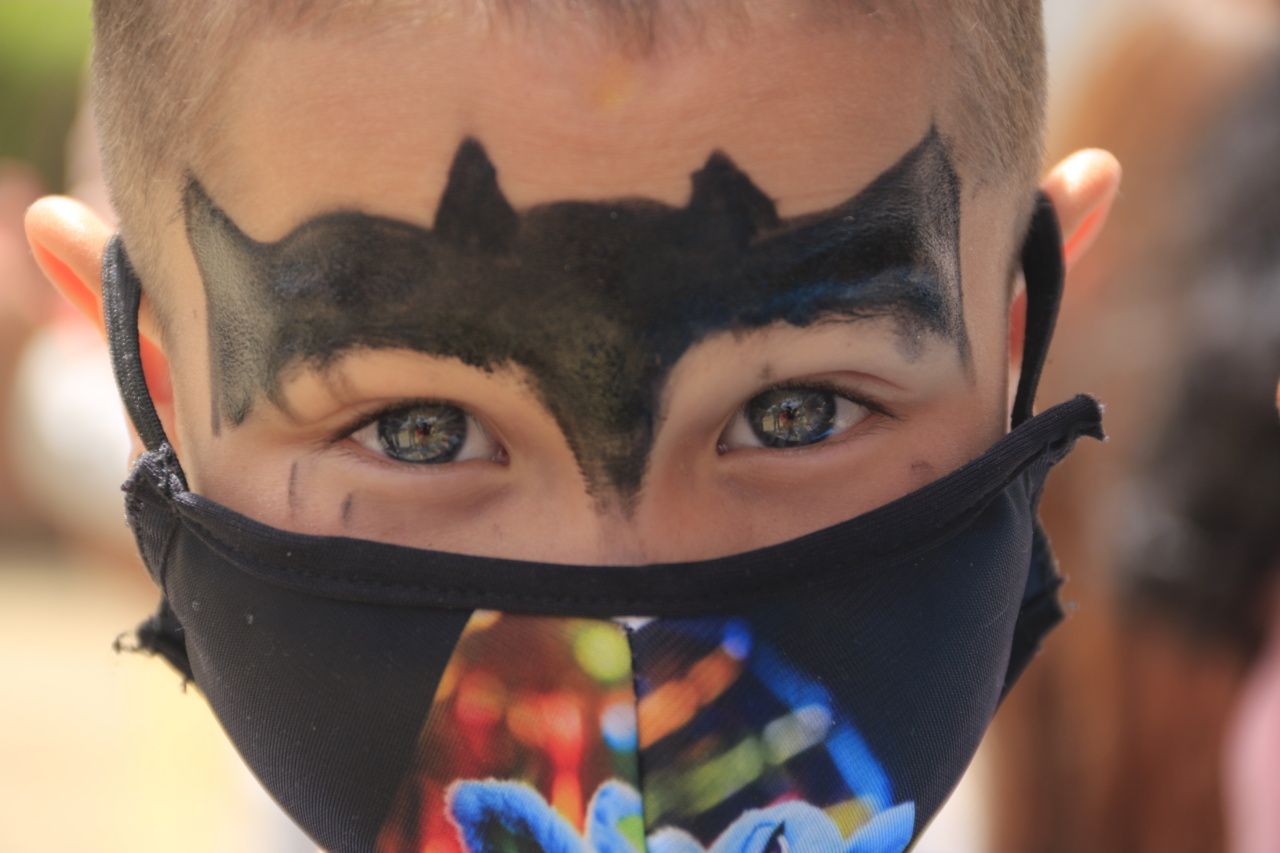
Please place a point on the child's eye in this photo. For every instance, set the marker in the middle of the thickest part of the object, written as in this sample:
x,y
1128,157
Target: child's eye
x,y
792,417
427,434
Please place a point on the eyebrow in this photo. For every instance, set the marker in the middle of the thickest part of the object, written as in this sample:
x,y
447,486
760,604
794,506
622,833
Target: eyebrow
x,y
596,300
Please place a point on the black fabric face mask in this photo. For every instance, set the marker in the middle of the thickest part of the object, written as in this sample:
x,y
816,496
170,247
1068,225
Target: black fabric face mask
x,y
821,695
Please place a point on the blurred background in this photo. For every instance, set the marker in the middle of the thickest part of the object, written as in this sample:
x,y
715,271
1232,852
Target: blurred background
x,y
1120,737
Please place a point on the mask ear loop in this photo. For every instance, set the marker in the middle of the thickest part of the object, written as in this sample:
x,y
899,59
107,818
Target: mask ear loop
x,y
1045,270
121,298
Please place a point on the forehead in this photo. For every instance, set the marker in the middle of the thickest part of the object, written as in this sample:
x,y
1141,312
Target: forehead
x,y
313,123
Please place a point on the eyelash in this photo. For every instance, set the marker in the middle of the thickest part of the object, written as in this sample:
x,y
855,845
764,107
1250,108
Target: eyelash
x,y
368,418
875,407
365,419
829,387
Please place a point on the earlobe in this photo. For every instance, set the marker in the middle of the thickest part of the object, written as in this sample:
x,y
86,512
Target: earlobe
x,y
68,241
1082,188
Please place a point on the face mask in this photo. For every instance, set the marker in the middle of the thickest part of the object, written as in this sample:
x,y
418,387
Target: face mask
x,y
822,695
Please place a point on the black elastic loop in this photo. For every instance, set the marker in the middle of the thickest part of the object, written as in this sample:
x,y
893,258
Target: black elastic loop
x,y
121,298
1045,270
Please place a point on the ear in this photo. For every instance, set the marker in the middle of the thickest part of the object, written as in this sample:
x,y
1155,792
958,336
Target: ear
x,y
68,241
1082,188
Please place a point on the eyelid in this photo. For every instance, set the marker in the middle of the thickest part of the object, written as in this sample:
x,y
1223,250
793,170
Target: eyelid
x,y
873,407
477,430
364,419
827,385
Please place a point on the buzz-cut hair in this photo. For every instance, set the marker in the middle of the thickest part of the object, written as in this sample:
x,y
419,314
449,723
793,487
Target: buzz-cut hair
x,y
158,67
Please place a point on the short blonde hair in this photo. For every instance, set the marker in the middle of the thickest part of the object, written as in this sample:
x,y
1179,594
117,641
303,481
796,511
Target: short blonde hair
x,y
158,64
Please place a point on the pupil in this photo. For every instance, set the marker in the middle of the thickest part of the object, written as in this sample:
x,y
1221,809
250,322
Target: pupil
x,y
424,434
789,417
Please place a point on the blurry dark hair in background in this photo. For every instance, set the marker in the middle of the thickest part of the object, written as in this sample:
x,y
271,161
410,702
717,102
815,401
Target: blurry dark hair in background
x,y
1114,740
1202,524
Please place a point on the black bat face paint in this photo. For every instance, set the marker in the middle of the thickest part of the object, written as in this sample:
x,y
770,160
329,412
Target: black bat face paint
x,y
596,301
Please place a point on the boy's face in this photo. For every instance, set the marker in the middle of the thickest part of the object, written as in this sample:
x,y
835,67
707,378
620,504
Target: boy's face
x,y
480,435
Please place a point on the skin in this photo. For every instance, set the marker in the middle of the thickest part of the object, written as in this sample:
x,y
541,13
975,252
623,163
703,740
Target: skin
x,y
1253,744
813,115
1252,749
623,289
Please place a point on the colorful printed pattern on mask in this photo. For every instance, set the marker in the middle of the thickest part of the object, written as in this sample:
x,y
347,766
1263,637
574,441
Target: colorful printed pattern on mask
x,y
544,704
731,735
535,744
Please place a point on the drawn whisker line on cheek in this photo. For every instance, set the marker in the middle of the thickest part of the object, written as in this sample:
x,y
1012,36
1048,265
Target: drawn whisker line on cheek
x,y
596,302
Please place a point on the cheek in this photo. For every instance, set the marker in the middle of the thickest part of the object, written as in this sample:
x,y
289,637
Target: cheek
x,y
232,466
986,253
190,427
957,430
187,352
984,402
234,469
987,304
